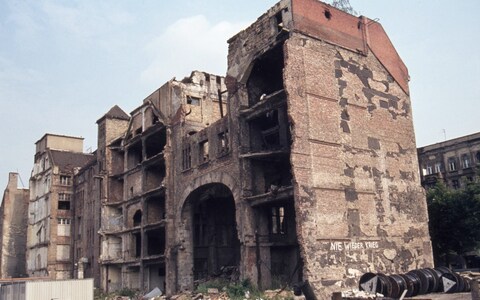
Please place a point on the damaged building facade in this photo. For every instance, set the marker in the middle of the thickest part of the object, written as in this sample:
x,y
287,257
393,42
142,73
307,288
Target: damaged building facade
x,y
13,232
121,196
312,175
49,241
299,165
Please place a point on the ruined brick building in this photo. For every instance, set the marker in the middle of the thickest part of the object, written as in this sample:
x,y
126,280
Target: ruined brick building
x,y
454,161
299,165
13,232
322,176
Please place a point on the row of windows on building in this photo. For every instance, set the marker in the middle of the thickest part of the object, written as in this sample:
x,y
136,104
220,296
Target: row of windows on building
x,y
204,150
452,165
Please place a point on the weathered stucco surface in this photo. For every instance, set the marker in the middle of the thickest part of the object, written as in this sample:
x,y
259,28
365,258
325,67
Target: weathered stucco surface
x,y
359,206
13,232
357,189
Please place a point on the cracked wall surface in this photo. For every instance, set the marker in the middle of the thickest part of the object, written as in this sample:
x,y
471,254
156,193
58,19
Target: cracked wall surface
x,y
299,165
354,158
359,206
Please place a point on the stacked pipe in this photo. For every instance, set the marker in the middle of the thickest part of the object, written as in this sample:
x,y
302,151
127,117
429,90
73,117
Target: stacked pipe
x,y
415,282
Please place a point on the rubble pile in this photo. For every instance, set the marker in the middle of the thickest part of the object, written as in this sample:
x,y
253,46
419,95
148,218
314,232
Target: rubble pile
x,y
469,275
356,294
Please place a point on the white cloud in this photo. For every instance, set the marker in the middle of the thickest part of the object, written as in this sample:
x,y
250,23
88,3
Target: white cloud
x,y
186,45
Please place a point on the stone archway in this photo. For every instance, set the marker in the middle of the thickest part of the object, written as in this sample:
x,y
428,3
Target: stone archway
x,y
213,242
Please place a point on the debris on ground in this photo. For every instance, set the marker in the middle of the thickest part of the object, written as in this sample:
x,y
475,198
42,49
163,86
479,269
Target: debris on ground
x,y
360,294
155,293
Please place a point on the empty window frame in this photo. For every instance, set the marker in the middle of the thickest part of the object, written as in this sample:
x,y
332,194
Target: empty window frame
x,y
277,220
279,21
137,244
193,100
186,157
223,141
65,180
64,201
203,151
64,205
137,218
466,161
452,165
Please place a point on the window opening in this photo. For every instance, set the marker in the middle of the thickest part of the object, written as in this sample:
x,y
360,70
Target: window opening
x,y
277,220
452,166
137,218
63,221
223,142
438,167
466,161
193,100
203,148
65,180
429,170
155,242
64,197
266,76
186,157
279,21
137,237
64,205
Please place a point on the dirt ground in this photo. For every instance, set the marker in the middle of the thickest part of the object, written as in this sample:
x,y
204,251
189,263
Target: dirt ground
x,y
458,296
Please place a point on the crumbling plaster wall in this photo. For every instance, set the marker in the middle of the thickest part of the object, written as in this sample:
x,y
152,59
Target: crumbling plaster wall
x,y
358,198
222,167
250,43
13,217
38,231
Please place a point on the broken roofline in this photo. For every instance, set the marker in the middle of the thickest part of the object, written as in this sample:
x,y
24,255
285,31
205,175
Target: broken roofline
x,y
185,80
332,25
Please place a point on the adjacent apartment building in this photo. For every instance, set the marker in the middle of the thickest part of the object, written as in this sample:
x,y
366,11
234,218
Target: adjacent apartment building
x,y
455,161
299,165
13,232
49,243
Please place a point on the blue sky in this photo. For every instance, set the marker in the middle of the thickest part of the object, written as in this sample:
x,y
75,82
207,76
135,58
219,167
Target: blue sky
x,y
63,64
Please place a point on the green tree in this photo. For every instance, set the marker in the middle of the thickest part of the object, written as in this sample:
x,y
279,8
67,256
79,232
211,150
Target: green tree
x,y
454,219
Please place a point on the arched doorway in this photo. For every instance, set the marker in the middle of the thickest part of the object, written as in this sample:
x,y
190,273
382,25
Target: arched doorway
x,y
214,239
